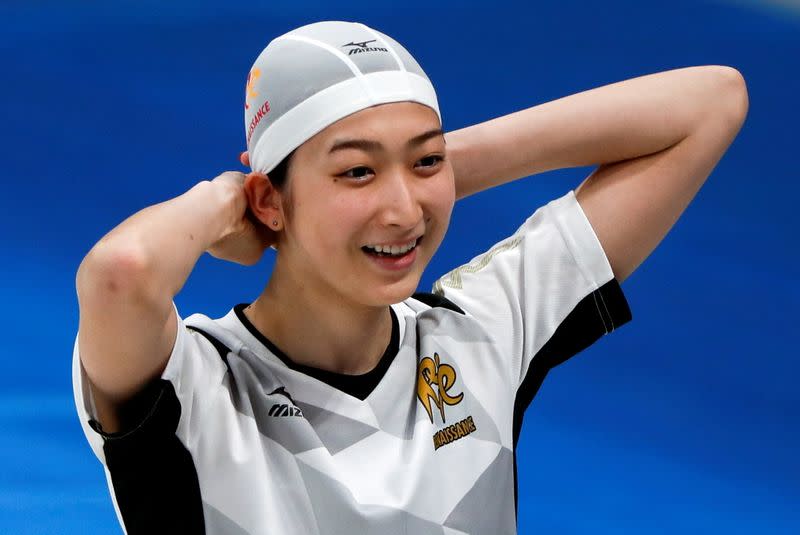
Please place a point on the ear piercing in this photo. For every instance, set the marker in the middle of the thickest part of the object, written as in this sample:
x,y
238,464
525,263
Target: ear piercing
x,y
274,222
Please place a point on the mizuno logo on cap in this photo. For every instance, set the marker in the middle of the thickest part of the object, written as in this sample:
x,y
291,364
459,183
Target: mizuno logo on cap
x,y
361,46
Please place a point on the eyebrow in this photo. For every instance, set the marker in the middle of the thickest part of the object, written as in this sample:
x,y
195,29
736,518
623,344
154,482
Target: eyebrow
x,y
369,145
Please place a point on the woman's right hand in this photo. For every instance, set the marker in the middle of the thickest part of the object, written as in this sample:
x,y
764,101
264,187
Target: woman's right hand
x,y
248,238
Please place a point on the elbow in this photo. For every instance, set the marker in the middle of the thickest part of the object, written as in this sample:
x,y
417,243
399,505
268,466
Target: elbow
x,y
731,95
110,271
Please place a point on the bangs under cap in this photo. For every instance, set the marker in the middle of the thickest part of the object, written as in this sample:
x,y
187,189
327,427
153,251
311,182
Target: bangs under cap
x,y
314,75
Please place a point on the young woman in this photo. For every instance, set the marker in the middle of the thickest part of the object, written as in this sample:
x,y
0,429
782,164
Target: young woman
x,y
339,400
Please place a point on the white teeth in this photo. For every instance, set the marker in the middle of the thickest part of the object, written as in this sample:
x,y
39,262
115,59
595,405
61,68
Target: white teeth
x,y
393,249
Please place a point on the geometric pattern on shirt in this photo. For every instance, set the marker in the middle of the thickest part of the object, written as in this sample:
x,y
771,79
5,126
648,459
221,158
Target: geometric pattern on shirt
x,y
337,511
491,494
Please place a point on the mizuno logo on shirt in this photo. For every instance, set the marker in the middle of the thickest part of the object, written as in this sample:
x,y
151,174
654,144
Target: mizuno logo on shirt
x,y
284,409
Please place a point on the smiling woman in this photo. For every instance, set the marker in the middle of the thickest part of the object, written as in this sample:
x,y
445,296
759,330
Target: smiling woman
x,y
341,400
386,191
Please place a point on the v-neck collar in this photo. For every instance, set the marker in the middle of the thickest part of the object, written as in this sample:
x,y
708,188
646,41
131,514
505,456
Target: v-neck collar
x,y
358,386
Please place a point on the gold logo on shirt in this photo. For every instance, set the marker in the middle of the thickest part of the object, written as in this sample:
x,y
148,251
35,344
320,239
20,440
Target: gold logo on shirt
x,y
432,373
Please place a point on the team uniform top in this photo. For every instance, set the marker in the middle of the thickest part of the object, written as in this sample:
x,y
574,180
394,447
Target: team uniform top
x,y
236,439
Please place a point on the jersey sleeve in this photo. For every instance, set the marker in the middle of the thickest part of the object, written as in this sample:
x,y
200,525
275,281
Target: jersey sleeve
x,y
545,293
171,404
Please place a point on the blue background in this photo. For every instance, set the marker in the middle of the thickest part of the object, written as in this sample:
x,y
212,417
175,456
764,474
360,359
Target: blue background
x,y
684,420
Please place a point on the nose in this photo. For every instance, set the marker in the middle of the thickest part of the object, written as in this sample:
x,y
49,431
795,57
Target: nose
x,y
401,205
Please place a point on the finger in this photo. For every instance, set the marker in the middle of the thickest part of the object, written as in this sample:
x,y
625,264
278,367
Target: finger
x,y
245,159
234,178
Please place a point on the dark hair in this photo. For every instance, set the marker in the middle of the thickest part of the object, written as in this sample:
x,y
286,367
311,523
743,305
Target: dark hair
x,y
277,178
278,175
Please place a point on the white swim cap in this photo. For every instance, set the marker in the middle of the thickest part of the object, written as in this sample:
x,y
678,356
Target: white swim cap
x,y
314,75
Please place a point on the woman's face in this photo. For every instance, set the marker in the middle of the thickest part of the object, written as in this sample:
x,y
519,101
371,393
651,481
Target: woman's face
x,y
371,197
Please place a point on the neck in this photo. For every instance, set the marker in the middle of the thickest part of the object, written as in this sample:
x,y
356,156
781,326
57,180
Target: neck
x,y
324,332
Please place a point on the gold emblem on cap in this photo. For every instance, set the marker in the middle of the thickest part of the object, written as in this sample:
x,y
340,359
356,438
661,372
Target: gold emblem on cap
x,y
254,75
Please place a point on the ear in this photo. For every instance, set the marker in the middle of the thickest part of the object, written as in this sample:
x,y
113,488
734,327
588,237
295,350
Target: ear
x,y
264,200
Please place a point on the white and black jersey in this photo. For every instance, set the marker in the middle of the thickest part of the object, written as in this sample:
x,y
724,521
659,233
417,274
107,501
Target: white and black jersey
x,y
235,438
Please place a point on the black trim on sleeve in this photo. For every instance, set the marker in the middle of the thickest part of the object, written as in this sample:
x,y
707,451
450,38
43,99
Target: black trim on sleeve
x,y
579,330
153,474
154,478
133,412
435,300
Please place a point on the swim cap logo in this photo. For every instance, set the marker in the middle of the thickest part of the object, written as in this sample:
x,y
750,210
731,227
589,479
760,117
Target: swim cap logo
x,y
262,110
250,91
361,46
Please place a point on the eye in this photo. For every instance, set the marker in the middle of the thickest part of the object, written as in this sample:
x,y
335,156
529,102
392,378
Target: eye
x,y
359,173
433,159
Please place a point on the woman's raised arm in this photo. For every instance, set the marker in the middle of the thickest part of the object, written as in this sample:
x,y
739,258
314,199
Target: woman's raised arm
x,y
656,139
127,282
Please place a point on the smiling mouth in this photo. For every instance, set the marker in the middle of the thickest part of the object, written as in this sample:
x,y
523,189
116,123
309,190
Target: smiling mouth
x,y
395,251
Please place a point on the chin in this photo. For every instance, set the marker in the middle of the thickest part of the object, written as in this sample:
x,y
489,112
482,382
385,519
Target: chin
x,y
394,293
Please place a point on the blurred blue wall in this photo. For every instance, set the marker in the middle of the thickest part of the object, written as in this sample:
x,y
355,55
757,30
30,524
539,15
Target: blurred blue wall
x,y
685,420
